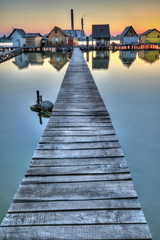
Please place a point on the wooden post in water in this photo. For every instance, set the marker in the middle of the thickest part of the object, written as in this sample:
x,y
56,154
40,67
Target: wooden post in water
x,y
87,42
37,97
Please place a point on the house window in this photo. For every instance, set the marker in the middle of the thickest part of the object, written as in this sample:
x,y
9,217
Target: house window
x,y
56,40
56,30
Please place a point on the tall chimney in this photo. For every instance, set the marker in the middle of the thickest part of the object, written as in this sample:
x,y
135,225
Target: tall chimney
x,y
82,24
72,20
82,27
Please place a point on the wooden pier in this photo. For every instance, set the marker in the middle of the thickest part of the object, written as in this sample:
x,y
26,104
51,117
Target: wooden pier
x,y
78,185
6,55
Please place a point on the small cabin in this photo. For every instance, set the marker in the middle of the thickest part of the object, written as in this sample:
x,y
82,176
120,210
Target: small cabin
x,y
101,34
129,36
17,37
33,40
150,36
57,38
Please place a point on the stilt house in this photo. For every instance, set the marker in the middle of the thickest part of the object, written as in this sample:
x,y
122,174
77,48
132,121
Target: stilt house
x,y
101,34
128,36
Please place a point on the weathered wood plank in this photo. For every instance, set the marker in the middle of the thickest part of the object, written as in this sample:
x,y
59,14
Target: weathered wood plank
x,y
72,146
78,170
75,217
77,124
76,191
75,178
120,161
74,205
78,139
79,113
112,152
54,132
85,232
49,127
80,119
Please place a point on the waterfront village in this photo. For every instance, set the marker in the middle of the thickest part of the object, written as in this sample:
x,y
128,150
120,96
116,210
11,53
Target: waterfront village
x,y
100,36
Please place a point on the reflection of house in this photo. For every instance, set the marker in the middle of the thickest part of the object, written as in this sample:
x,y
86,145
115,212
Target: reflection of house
x,y
58,60
127,57
101,34
149,56
58,38
33,40
100,60
21,61
150,36
17,37
128,36
35,58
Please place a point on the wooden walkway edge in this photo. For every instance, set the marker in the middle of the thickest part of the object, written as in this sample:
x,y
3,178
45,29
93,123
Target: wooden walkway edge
x,y
78,185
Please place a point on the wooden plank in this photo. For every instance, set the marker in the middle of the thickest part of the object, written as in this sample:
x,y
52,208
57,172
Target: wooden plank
x,y
80,119
79,113
102,132
78,170
74,205
120,161
77,124
85,232
76,191
112,152
87,129
72,146
78,139
75,178
75,217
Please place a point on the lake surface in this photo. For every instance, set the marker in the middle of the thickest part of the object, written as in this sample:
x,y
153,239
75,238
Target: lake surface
x,y
129,83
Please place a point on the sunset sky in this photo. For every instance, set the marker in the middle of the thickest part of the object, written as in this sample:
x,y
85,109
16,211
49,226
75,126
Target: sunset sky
x,y
42,15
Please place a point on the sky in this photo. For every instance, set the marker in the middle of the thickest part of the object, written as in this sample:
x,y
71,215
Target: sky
x,y
42,15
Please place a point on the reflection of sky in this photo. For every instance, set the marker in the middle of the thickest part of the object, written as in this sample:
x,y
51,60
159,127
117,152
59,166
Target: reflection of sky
x,y
41,16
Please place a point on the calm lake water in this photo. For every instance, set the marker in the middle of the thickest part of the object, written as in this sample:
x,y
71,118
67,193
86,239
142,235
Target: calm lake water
x,y
129,83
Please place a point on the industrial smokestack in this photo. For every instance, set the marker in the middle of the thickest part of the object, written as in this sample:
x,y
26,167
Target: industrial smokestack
x,y
82,24
72,20
82,27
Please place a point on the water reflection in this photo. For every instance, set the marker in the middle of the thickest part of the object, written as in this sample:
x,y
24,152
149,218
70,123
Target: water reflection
x,y
35,58
100,60
57,60
149,56
127,57
21,61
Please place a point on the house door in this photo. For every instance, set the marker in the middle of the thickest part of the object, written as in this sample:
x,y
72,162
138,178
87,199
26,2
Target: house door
x,y
17,43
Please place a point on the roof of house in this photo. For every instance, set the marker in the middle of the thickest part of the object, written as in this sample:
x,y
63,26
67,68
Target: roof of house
x,y
101,31
148,31
63,32
126,30
75,33
21,32
32,35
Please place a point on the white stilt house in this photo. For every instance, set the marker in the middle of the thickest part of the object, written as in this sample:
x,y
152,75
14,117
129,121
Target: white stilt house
x,y
18,37
129,36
